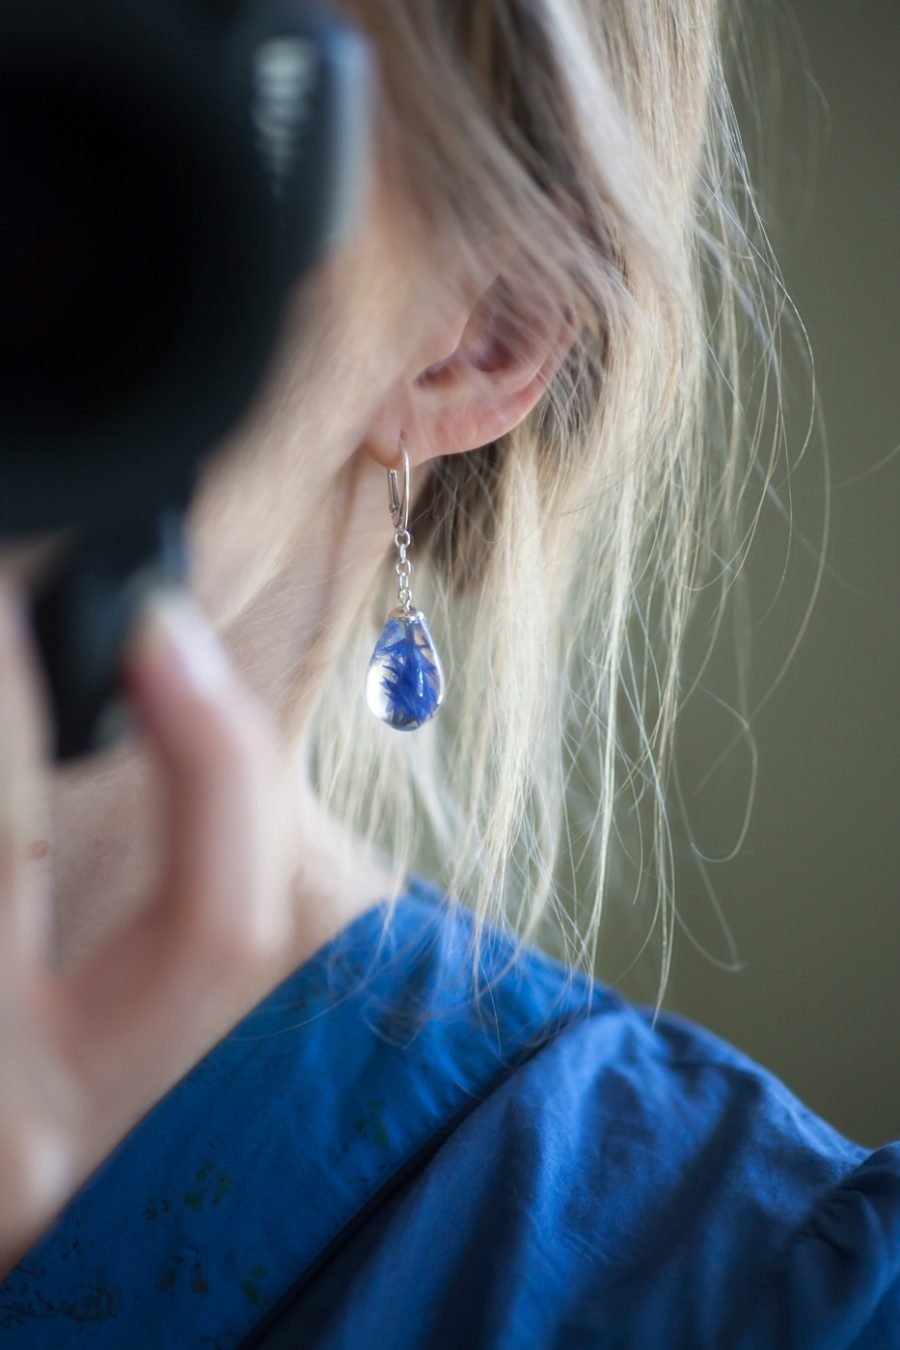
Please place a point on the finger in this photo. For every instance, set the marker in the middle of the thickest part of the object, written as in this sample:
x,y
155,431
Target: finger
x,y
222,910
23,749
221,763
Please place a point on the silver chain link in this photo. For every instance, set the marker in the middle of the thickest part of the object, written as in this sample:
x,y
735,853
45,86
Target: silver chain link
x,y
403,567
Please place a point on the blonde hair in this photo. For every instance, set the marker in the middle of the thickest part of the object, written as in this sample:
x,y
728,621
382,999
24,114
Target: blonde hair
x,y
559,565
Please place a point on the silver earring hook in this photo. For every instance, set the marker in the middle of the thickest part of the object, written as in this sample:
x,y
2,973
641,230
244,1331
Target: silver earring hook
x,y
399,505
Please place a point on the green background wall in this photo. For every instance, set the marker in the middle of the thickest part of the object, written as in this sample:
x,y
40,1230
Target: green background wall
x,y
812,899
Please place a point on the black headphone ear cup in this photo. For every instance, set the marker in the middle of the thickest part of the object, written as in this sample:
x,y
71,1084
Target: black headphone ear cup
x,y
169,172
307,85
139,292
192,167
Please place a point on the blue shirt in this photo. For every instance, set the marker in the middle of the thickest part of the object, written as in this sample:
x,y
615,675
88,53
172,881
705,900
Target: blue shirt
x,y
388,1152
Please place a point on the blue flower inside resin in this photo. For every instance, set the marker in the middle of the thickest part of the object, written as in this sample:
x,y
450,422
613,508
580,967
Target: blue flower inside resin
x,y
404,682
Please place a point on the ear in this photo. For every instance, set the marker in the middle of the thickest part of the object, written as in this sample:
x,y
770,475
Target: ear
x,y
500,359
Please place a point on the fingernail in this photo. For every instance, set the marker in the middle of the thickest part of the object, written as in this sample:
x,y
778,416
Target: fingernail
x,y
173,631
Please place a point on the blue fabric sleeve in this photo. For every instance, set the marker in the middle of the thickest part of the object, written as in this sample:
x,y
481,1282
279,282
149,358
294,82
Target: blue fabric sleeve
x,y
631,1187
386,1162
837,1282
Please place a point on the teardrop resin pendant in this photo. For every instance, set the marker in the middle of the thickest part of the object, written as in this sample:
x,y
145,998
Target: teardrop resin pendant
x,y
405,682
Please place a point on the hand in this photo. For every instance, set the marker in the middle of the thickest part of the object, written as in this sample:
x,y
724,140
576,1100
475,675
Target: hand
x,y
84,1054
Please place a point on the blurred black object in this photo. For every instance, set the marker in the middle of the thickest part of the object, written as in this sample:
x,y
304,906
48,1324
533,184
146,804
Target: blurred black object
x,y
168,171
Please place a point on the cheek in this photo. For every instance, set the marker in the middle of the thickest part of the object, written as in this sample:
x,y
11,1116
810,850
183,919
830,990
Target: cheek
x,y
348,327
346,341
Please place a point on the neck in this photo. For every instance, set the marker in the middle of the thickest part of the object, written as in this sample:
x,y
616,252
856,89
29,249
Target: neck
x,y
105,850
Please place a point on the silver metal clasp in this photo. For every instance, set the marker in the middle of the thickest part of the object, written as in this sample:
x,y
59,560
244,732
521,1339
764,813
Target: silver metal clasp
x,y
399,504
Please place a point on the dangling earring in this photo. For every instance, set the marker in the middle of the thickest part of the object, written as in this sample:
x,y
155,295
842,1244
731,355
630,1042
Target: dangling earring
x,y
404,682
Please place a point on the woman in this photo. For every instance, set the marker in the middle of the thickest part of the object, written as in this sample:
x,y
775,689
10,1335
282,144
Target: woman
x,y
262,1082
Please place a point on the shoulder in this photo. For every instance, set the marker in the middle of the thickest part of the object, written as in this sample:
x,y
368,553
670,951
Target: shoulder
x,y
644,1183
688,1193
